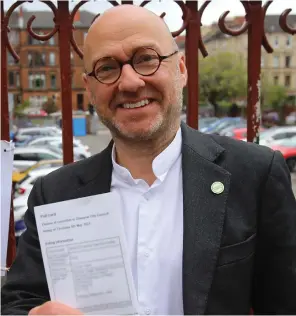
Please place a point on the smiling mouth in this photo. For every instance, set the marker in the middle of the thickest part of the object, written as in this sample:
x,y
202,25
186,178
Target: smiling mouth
x,y
135,105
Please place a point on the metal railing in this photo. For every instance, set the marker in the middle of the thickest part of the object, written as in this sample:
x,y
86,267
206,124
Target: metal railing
x,y
191,16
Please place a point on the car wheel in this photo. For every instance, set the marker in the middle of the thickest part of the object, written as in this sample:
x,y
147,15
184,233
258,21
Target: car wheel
x,y
291,162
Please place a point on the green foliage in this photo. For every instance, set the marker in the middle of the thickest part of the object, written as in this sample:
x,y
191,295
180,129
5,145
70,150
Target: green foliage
x,y
222,77
20,108
50,106
273,96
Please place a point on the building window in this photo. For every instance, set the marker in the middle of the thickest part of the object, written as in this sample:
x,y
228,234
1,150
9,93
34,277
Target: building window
x,y
51,59
276,80
51,41
289,40
13,37
36,59
53,81
276,41
34,41
287,81
11,81
29,59
80,101
288,61
72,79
17,79
37,101
276,61
37,81
10,59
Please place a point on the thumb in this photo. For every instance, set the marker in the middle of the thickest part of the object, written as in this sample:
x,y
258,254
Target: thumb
x,y
34,311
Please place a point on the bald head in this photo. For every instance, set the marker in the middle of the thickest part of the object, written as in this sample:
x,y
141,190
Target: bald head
x,y
127,26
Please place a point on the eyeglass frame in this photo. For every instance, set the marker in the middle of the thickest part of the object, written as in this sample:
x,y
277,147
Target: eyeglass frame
x,y
130,62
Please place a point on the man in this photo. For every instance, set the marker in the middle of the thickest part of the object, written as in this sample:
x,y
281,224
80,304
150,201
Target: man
x,y
210,222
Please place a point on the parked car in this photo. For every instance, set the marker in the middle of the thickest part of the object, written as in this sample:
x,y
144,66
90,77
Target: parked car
x,y
80,150
25,186
237,132
23,134
273,134
45,140
21,197
19,210
26,157
291,118
203,122
288,149
18,176
223,123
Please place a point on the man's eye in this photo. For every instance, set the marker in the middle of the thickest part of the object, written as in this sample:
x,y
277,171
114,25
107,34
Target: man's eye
x,y
105,68
145,58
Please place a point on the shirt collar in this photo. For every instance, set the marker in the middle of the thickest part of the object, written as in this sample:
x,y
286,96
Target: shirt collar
x,y
160,165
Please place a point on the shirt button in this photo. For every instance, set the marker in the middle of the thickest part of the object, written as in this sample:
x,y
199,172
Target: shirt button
x,y
147,311
146,254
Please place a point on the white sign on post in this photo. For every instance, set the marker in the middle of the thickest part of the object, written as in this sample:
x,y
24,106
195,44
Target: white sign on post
x,y
7,150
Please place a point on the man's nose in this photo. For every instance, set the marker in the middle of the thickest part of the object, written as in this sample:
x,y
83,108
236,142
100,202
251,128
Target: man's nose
x,y
129,80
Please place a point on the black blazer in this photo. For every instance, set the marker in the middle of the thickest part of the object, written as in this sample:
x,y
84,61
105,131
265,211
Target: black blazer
x,y
239,246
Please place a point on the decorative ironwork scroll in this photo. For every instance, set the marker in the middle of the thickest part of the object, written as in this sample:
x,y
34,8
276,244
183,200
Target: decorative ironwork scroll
x,y
45,37
254,24
62,26
284,23
6,29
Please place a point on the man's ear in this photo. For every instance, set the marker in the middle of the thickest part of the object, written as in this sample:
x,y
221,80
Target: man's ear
x,y
183,69
87,88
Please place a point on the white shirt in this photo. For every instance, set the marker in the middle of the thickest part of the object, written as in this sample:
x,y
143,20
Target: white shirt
x,y
153,223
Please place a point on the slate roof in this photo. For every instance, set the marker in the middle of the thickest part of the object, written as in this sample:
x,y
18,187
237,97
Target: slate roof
x,y
271,25
44,19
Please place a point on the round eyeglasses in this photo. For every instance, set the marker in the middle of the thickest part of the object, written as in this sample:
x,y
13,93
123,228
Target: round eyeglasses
x,y
145,62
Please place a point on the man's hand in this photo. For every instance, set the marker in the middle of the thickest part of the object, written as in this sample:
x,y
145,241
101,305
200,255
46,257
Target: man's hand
x,y
54,308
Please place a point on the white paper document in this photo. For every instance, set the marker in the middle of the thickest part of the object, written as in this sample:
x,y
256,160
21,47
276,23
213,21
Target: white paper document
x,y
84,254
7,150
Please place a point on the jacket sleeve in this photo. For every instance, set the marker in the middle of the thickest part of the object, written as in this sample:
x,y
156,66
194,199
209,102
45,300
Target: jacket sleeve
x,y
26,285
274,284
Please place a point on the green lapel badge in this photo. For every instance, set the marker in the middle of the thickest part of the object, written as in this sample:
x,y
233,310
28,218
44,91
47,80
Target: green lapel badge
x,y
217,187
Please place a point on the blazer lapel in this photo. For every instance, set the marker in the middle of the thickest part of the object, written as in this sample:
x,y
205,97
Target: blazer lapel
x,y
204,213
96,178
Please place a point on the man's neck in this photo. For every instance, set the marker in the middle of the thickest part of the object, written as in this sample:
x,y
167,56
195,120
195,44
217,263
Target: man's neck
x,y
138,157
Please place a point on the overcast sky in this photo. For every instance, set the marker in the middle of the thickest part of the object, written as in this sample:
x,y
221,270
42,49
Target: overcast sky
x,y
173,12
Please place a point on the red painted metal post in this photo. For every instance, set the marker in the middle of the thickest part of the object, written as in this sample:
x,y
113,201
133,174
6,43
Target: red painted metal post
x,y
255,33
4,90
65,31
11,246
192,43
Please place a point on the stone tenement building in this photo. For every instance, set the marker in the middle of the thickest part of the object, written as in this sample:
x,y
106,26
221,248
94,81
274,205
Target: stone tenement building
x,y
36,77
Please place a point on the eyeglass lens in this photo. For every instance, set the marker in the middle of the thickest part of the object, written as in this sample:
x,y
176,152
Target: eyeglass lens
x,y
145,62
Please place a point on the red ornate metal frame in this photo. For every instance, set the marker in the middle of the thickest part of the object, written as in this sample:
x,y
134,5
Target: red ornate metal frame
x,y
192,16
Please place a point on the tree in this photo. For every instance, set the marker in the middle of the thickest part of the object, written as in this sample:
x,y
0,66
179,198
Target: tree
x,y
222,77
19,109
273,96
50,106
